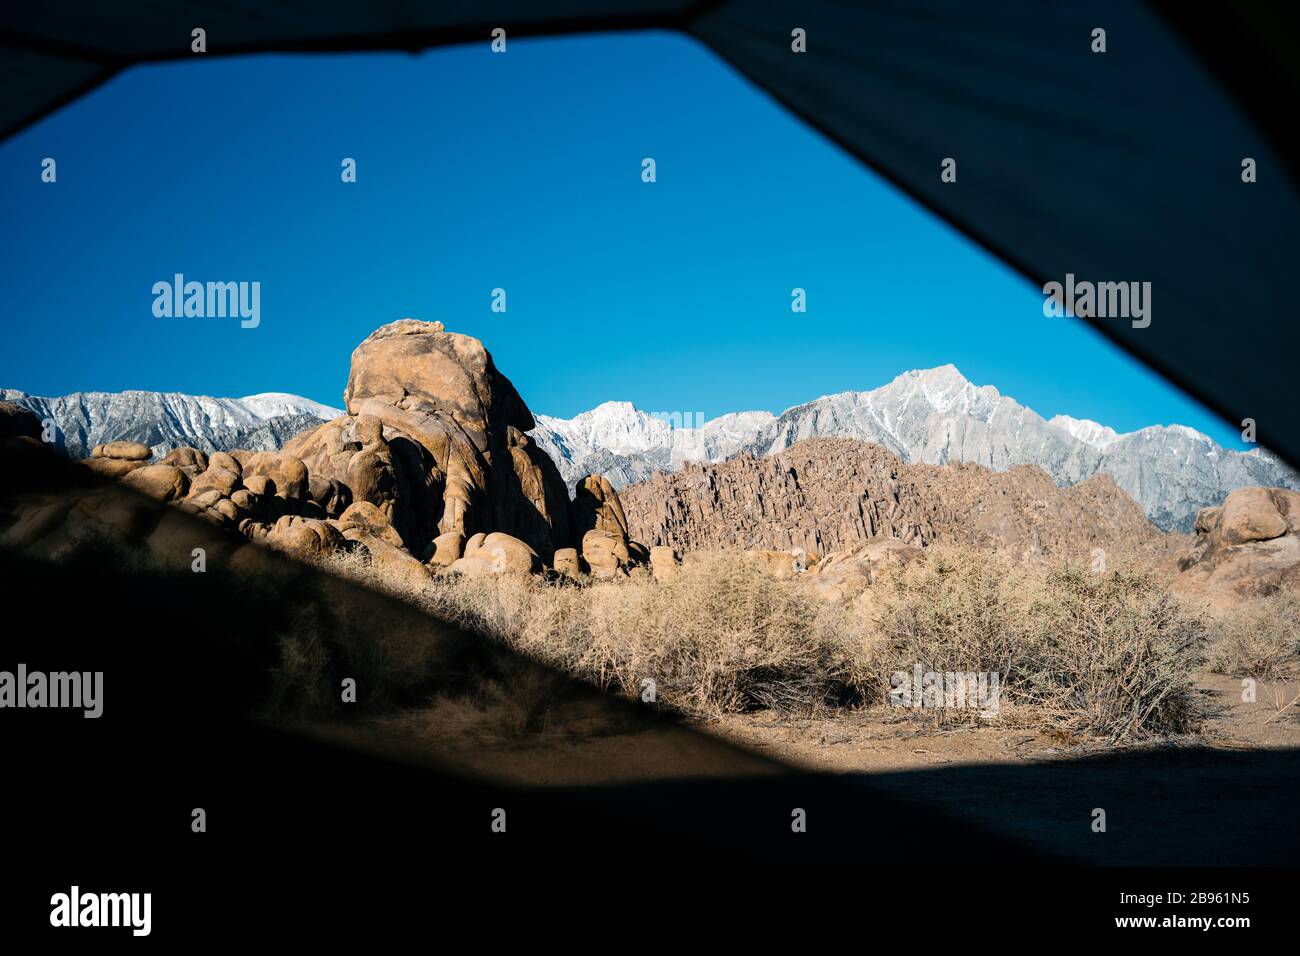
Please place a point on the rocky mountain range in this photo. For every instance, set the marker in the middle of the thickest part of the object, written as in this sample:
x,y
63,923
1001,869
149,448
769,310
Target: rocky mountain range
x,y
930,416
431,470
168,420
834,494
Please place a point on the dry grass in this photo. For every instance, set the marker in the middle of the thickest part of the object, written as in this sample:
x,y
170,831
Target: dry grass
x,y
1103,655
717,638
1259,639
1106,656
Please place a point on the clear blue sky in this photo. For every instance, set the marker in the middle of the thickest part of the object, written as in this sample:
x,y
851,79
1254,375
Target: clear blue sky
x,y
521,171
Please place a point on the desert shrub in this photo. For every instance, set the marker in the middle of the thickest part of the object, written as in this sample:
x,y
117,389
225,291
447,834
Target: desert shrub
x,y
718,637
1107,655
1102,655
1112,655
1259,638
955,611
333,629
301,682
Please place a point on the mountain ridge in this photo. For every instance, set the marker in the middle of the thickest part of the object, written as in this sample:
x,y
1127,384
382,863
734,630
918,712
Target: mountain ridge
x,y
933,416
923,416
167,420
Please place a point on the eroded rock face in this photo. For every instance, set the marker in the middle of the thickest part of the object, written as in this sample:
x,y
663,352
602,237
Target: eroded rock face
x,y
596,505
434,435
431,462
833,494
1246,547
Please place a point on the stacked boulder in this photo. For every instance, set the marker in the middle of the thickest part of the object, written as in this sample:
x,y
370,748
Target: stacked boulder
x,y
1246,547
602,529
430,470
118,458
434,437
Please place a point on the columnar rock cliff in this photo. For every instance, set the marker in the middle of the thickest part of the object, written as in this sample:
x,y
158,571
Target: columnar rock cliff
x,y
830,494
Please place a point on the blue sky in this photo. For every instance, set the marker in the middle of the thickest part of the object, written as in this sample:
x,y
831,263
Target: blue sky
x,y
520,171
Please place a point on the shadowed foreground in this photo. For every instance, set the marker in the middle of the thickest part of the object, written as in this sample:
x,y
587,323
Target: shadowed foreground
x,y
188,722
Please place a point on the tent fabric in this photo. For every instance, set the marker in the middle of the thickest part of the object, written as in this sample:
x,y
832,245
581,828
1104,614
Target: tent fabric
x,y
1123,166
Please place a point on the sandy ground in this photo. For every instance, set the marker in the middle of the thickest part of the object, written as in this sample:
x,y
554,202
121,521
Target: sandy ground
x,y
583,742
1225,797
886,740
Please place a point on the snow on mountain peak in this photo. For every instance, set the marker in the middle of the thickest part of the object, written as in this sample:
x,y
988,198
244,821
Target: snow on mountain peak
x,y
275,404
1085,430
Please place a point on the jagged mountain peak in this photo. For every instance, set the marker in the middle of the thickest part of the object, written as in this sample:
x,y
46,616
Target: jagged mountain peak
x,y
935,416
1085,430
167,420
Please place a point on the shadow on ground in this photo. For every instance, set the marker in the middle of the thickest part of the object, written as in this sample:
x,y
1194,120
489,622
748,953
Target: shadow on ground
x,y
187,660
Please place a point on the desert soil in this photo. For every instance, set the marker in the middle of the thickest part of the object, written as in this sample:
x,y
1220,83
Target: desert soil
x,y
1223,798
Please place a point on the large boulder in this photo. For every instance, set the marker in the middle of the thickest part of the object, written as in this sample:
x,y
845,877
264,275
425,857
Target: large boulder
x,y
1248,546
123,451
304,537
368,518
32,521
664,562
398,567
285,472
162,482
114,514
498,554
605,553
508,553
222,475
842,576
113,468
777,564
435,435
566,561
1252,514
445,549
192,461
596,506
330,494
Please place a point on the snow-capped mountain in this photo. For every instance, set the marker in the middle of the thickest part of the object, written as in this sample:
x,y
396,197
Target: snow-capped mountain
x,y
167,420
931,416
1088,432
626,444
928,416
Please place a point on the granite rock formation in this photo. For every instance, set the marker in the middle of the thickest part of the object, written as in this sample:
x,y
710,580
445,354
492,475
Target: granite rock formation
x,y
832,494
1248,546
